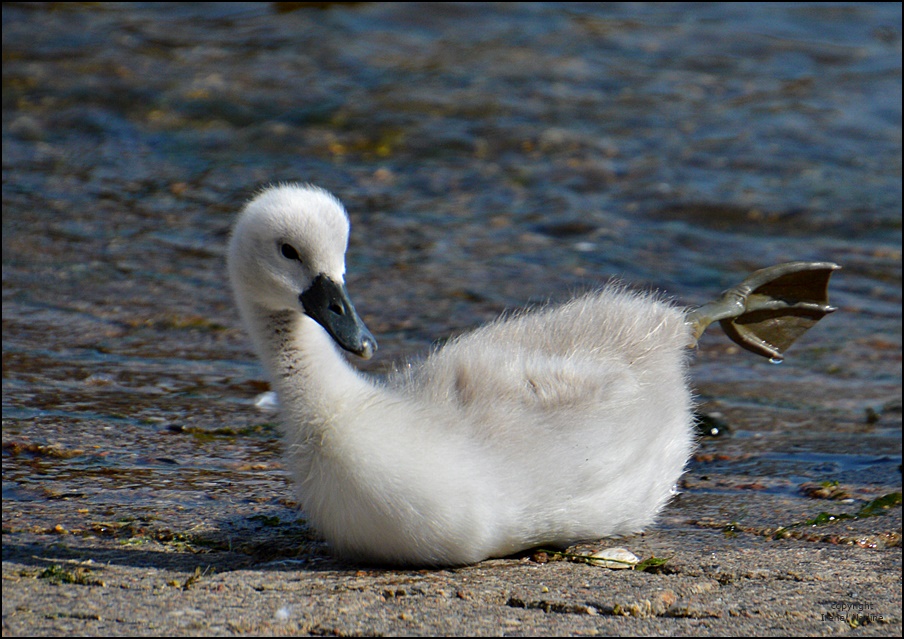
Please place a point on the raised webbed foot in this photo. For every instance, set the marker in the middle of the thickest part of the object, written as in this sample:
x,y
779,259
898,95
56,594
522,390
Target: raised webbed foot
x,y
769,310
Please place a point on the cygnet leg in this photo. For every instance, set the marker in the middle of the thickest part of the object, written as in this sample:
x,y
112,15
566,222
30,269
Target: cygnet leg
x,y
769,310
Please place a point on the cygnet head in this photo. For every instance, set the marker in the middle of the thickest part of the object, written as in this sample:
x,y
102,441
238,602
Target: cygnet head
x,y
287,253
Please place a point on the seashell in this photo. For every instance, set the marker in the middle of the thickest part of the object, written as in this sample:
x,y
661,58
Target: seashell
x,y
614,558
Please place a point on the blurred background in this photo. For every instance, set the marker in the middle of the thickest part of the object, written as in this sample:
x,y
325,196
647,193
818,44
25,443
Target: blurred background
x,y
490,156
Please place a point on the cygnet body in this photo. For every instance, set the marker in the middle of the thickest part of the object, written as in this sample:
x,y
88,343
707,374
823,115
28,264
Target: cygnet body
x,y
547,427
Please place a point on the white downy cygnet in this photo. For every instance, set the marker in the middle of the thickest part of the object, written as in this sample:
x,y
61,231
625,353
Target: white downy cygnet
x,y
553,426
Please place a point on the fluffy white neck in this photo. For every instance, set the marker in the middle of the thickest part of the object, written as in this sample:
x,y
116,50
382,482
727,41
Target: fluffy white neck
x,y
312,378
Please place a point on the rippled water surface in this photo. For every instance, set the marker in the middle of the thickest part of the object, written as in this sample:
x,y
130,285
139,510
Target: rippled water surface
x,y
490,156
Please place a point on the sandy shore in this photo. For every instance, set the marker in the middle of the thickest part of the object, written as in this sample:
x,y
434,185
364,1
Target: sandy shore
x,y
713,584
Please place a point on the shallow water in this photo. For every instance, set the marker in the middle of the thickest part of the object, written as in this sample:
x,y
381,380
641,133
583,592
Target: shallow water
x,y
490,156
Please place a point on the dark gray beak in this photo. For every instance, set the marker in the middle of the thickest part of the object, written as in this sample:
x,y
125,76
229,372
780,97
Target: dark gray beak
x,y
328,304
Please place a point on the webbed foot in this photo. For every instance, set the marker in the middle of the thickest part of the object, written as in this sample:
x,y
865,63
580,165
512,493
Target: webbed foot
x,y
769,310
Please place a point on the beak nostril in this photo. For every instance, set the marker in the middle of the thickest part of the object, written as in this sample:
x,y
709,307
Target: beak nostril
x,y
337,309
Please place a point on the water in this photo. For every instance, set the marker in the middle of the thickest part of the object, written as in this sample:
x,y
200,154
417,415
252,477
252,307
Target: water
x,y
490,156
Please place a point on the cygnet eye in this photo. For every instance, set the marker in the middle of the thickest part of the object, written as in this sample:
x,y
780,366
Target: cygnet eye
x,y
288,251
